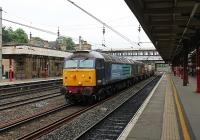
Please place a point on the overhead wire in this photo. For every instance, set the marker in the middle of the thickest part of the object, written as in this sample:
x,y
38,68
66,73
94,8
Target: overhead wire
x,y
54,33
28,26
104,24
45,31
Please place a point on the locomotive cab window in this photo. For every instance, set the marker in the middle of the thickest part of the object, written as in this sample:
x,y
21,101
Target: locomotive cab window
x,y
71,64
86,63
82,63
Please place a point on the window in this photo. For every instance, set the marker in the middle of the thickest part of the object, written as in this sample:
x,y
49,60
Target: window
x,y
151,52
134,53
86,63
79,63
71,64
146,53
140,53
156,53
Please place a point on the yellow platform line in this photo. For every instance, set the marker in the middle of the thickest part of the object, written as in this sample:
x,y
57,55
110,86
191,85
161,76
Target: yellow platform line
x,y
180,113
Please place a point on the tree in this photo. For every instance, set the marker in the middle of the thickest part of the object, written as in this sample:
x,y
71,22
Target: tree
x,y
20,36
68,43
17,36
7,35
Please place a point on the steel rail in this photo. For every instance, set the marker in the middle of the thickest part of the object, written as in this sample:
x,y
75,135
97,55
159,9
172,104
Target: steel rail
x,y
19,86
97,123
27,91
49,128
46,129
15,123
28,101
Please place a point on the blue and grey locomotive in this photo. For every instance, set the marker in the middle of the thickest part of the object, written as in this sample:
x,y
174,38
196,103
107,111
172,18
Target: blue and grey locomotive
x,y
91,76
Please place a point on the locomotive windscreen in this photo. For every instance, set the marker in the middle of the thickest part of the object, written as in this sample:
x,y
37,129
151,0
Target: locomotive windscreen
x,y
83,63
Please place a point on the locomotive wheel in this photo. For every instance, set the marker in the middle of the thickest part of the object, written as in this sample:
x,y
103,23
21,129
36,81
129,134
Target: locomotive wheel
x,y
66,97
68,100
108,93
94,98
113,90
100,94
91,100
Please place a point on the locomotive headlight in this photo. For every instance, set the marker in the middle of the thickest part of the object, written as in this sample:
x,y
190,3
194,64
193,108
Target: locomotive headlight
x,y
83,75
79,83
73,76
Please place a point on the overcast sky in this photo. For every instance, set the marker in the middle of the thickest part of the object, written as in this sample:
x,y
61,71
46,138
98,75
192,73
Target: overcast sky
x,y
51,14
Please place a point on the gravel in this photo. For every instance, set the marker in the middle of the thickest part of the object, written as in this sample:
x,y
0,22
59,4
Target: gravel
x,y
30,109
19,131
27,96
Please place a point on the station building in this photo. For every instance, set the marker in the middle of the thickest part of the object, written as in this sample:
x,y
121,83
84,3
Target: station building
x,y
29,61
83,45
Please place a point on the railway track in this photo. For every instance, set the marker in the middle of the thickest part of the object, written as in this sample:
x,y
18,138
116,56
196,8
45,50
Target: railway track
x,y
21,121
27,86
55,124
45,130
17,103
111,126
28,91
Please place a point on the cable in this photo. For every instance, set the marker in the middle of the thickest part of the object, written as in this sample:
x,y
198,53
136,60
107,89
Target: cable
x,y
79,26
36,28
45,31
112,29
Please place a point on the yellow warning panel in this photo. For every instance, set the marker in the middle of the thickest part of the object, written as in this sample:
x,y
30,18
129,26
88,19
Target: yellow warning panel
x,y
79,77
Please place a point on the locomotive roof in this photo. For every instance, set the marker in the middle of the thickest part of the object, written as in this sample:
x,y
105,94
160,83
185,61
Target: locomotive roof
x,y
86,53
106,57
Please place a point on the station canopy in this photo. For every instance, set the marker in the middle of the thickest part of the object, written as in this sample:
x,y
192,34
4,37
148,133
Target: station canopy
x,y
167,23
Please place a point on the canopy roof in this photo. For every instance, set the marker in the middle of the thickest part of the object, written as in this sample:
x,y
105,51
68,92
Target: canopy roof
x,y
167,22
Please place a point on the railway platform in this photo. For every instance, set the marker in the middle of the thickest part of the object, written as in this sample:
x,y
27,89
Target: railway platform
x,y
13,82
171,112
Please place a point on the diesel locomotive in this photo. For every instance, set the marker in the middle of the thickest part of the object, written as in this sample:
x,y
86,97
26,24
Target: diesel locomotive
x,y
90,76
